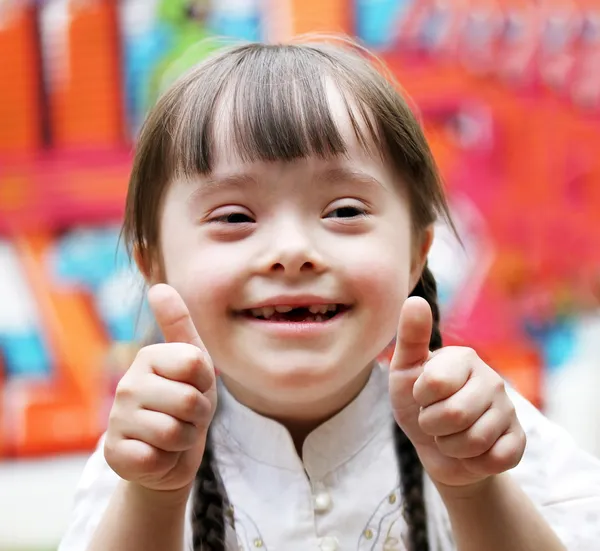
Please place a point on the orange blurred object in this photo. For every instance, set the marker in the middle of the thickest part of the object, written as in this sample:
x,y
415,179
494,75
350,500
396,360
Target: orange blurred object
x,y
85,85
290,18
20,102
65,411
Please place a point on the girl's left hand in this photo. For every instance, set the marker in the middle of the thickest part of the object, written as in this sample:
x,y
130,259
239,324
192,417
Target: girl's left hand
x,y
452,405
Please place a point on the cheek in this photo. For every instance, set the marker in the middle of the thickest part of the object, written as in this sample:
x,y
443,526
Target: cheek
x,y
202,272
383,287
207,282
380,281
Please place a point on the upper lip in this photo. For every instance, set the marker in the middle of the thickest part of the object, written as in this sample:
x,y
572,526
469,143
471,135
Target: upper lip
x,y
297,301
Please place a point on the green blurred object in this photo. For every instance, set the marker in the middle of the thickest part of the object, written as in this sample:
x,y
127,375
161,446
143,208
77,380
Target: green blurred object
x,y
192,41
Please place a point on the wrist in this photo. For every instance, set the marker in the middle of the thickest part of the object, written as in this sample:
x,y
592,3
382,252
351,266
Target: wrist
x,y
147,498
478,490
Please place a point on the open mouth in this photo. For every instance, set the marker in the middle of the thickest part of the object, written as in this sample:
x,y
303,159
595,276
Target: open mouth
x,y
297,314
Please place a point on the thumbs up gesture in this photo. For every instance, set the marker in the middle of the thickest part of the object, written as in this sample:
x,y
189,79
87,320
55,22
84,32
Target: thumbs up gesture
x,y
452,406
164,403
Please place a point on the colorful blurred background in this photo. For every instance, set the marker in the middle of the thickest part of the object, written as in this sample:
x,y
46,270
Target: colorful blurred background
x,y
509,93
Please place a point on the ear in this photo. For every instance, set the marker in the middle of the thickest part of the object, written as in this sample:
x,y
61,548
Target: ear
x,y
148,266
420,252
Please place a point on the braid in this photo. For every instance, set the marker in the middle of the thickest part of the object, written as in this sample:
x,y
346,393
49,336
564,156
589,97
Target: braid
x,y
411,468
208,519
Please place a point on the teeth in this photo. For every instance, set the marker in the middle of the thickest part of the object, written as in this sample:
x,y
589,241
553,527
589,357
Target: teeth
x,y
318,310
322,308
318,318
267,311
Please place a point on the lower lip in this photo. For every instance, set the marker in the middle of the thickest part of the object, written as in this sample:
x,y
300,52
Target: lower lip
x,y
296,328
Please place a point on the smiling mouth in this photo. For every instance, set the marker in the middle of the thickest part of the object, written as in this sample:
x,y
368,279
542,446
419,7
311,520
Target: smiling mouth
x,y
296,314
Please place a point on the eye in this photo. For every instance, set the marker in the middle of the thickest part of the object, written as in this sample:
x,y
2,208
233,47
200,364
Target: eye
x,y
346,212
233,218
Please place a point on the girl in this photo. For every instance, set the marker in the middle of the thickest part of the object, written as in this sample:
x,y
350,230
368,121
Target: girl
x,y
281,208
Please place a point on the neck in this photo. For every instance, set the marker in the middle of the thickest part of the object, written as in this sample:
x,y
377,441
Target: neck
x,y
302,417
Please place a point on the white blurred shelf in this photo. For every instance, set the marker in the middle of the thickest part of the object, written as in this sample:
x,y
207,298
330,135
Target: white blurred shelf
x,y
35,501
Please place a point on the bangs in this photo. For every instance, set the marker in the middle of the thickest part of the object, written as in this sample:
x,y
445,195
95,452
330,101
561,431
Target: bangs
x,y
271,103
261,102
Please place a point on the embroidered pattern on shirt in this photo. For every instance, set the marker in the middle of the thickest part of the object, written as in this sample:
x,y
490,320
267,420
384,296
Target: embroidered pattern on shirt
x,y
247,533
386,529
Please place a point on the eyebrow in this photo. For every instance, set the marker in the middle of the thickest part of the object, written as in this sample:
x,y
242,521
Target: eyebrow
x,y
215,185
237,180
331,176
342,175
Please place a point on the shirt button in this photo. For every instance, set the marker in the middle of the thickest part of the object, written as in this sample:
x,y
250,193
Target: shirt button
x,y
329,544
322,502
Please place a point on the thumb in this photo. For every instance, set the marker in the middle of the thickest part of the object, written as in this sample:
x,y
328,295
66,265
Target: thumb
x,y
414,334
173,316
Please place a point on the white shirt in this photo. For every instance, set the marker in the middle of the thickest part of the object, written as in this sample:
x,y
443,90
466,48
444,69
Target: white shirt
x,y
345,493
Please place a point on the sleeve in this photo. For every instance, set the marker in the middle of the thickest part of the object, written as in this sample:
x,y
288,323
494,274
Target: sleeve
x,y
561,479
96,486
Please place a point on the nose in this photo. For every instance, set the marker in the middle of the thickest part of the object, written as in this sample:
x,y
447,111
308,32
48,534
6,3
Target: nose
x,y
292,249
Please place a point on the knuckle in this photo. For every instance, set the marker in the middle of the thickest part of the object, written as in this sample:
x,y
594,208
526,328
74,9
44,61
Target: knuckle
x,y
125,391
500,461
114,418
146,459
190,358
469,355
170,432
519,448
498,384
507,457
480,442
426,421
190,400
145,354
455,414
111,454
433,379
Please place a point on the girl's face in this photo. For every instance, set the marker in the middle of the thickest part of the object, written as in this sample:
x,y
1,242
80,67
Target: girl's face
x,y
329,238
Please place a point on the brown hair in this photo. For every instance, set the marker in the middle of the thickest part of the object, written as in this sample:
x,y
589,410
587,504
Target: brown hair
x,y
277,109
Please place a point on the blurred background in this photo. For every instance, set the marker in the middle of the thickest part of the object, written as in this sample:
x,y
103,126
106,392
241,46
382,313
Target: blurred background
x,y
508,91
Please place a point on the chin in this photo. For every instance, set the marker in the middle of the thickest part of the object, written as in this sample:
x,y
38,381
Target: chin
x,y
302,371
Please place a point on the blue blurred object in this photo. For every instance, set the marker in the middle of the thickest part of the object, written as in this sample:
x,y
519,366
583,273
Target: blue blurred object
x,y
237,19
22,344
556,339
141,53
92,260
146,39
87,257
377,20
25,354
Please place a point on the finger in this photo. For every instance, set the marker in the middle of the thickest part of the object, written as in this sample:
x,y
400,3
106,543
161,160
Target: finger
x,y
179,400
180,362
477,439
444,375
132,459
414,334
505,454
458,412
173,316
160,431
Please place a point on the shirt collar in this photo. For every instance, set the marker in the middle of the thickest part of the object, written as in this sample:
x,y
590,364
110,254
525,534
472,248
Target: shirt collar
x,y
327,447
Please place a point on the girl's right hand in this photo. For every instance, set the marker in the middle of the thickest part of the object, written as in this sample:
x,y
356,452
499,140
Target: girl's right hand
x,y
164,403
